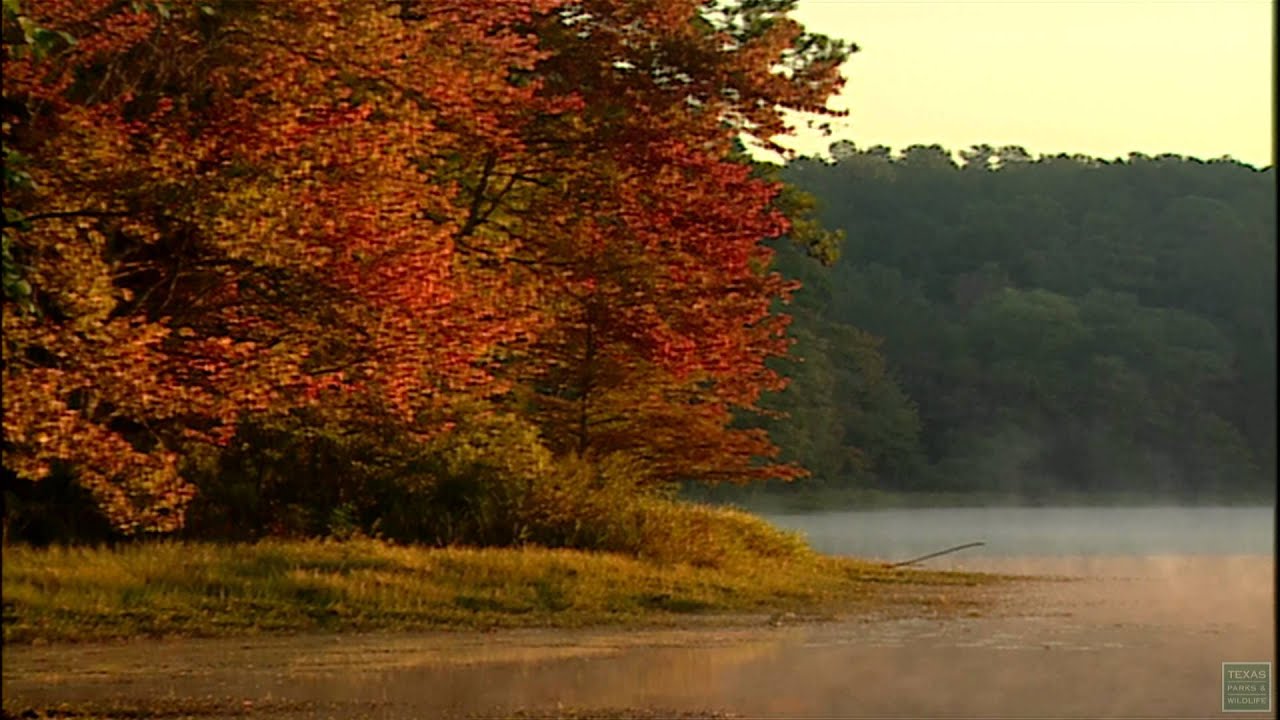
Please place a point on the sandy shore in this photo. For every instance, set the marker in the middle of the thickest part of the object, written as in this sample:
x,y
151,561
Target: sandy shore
x,y
1128,637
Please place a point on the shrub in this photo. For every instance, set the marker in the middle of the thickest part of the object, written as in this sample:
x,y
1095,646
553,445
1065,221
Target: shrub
x,y
675,531
287,475
490,481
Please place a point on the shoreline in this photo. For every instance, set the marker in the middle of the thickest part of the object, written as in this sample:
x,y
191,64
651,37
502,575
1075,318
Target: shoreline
x,y
1133,636
190,590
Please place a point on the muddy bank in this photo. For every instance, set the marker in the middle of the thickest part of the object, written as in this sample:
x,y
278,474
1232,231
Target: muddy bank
x,y
1130,637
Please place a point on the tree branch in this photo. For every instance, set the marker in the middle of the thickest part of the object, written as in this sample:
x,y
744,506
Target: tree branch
x,y
71,214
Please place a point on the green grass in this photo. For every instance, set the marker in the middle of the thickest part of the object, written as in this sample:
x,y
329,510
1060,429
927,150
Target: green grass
x,y
204,589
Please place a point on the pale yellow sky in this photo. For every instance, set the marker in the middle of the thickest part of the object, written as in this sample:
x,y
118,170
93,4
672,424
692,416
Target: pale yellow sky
x,y
1100,77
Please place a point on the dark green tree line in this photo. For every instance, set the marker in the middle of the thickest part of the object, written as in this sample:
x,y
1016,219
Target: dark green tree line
x,y
1060,323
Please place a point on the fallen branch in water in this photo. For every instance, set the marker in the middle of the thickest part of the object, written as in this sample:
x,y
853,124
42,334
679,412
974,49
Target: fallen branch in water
x,y
913,561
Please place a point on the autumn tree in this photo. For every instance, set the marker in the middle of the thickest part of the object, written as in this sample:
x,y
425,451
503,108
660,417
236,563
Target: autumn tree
x,y
228,207
345,211
642,223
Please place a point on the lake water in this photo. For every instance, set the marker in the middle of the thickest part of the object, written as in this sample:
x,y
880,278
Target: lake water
x,y
897,535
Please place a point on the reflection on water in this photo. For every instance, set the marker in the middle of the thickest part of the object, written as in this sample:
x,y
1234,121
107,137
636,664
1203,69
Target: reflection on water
x,y
902,534
639,677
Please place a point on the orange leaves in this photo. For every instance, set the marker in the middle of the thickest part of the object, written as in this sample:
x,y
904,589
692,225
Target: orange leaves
x,y
62,410
268,190
648,230
287,203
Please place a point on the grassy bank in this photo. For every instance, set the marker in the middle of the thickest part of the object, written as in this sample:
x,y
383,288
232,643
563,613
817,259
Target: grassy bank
x,y
193,589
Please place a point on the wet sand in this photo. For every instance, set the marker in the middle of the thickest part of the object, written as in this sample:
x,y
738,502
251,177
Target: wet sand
x,y
1127,637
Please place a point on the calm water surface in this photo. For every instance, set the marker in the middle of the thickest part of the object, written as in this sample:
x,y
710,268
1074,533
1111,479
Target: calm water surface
x,y
1039,531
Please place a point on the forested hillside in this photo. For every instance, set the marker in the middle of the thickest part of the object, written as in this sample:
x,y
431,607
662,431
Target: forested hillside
x,y
1062,323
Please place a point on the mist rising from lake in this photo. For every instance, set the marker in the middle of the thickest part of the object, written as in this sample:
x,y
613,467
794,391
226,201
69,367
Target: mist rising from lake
x,y
899,534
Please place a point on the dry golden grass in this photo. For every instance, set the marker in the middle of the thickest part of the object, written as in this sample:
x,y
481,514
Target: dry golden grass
x,y
737,564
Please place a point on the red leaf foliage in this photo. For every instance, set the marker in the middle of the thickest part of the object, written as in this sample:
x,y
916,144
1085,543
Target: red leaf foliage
x,y
238,207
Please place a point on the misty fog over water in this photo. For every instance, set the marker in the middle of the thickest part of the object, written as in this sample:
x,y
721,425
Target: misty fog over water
x,y
900,534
